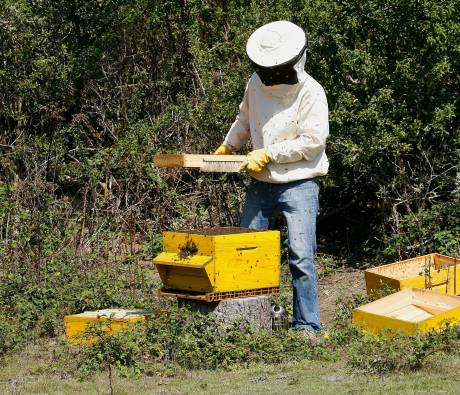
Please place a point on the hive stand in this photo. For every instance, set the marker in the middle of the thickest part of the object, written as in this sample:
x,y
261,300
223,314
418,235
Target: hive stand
x,y
255,310
250,306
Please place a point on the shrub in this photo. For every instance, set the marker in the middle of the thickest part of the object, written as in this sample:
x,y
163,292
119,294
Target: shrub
x,y
389,353
95,91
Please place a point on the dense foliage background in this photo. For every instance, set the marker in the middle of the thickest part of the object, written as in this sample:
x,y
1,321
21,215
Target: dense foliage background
x,y
91,90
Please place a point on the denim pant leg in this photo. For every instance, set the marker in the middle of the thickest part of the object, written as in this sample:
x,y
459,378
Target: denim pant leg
x,y
299,206
259,206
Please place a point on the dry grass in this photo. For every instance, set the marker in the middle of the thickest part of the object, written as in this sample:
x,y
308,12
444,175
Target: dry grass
x,y
31,372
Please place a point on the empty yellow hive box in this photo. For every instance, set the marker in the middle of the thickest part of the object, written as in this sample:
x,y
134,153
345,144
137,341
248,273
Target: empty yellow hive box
x,y
408,311
219,260
434,271
75,325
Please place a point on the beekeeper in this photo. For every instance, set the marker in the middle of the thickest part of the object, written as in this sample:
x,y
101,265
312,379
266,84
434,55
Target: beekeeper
x,y
284,113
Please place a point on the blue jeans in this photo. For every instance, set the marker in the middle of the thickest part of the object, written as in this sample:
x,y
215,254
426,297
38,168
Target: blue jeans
x,y
298,203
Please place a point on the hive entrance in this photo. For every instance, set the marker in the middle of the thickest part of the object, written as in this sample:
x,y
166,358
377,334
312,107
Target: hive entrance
x,y
187,250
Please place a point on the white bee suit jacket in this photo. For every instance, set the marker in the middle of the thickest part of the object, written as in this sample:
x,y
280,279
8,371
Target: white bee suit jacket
x,y
290,121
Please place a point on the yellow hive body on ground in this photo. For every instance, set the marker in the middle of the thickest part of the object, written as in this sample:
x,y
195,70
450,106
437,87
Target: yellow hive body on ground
x,y
219,260
408,311
75,325
434,271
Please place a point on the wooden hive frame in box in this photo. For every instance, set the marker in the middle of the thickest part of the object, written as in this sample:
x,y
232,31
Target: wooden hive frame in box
x,y
436,272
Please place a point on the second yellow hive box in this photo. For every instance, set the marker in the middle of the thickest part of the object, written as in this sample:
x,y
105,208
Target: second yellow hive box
x,y
436,272
116,320
219,260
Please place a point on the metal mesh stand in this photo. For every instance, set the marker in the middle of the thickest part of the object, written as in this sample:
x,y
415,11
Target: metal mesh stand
x,y
216,296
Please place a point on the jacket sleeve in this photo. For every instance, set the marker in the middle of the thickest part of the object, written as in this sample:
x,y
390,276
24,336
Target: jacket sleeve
x,y
239,133
313,129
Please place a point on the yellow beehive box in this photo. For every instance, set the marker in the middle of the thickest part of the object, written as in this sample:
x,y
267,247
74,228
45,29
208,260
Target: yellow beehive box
x,y
116,319
219,260
408,311
434,271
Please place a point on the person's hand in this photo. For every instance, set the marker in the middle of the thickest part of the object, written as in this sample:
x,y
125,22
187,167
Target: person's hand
x,y
223,150
257,160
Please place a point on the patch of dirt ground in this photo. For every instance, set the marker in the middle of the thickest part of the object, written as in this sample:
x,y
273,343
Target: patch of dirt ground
x,y
335,286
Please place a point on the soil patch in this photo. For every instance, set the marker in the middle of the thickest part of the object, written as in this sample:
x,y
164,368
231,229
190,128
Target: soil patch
x,y
336,286
220,231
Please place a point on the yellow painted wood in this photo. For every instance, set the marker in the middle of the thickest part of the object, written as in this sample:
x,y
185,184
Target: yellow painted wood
x,y
75,325
178,274
173,259
188,273
186,278
239,261
174,241
437,272
418,310
438,320
247,261
375,323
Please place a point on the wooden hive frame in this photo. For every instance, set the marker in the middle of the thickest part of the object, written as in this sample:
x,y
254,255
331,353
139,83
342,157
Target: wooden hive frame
x,y
207,163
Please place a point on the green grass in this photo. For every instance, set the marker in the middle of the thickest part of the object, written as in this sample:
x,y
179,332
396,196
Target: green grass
x,y
33,371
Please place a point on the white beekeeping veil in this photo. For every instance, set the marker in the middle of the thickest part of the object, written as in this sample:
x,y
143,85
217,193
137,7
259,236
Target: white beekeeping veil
x,y
277,52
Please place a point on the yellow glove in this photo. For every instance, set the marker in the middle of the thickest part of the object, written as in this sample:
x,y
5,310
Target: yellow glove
x,y
257,160
223,150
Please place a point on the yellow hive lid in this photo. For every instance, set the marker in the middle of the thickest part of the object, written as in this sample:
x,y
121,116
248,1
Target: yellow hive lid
x,y
113,313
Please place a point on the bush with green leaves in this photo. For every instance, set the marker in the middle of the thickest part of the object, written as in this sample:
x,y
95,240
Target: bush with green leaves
x,y
189,340
177,337
395,352
105,350
436,228
93,89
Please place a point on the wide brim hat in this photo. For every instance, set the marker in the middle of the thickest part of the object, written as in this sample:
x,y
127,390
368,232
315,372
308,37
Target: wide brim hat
x,y
276,43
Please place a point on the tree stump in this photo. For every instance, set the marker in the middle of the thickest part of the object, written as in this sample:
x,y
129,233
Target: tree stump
x,y
255,310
